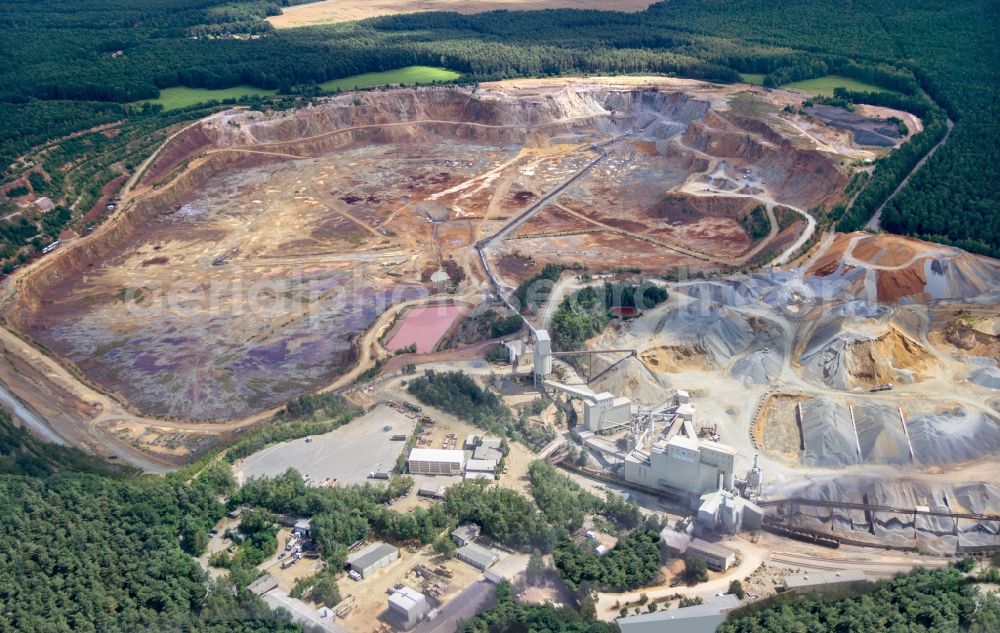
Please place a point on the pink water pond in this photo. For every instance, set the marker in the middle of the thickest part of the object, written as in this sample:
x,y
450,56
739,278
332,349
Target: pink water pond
x,y
425,326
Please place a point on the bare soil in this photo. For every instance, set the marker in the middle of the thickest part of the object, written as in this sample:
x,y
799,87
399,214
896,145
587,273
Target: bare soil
x,y
777,429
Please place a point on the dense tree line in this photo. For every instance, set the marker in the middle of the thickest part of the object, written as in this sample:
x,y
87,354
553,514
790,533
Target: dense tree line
x,y
634,562
756,223
891,170
564,503
503,514
87,548
458,393
585,313
325,406
63,72
560,499
925,600
343,515
950,47
534,291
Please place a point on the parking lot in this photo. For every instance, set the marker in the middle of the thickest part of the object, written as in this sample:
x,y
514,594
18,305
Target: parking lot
x,y
345,455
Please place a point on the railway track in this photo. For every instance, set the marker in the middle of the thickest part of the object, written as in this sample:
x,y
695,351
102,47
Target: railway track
x,y
869,507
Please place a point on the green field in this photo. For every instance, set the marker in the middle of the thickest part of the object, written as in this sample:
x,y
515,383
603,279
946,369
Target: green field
x,y
408,75
756,79
181,96
824,85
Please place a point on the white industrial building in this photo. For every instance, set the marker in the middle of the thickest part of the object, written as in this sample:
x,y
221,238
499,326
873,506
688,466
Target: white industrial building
x,y
604,411
372,558
407,607
728,513
436,461
683,463
542,357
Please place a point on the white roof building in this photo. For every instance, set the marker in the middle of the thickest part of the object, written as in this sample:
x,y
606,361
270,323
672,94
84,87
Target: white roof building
x,y
480,466
436,461
408,606
815,582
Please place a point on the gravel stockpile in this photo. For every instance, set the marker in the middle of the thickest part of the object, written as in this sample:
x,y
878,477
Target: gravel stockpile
x,y
939,535
988,377
954,436
827,434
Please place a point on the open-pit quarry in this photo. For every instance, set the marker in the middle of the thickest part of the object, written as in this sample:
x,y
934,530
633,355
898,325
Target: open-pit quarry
x,y
261,255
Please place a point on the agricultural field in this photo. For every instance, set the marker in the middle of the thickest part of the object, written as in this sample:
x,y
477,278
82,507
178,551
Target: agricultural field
x,y
754,79
409,75
824,86
182,96
334,11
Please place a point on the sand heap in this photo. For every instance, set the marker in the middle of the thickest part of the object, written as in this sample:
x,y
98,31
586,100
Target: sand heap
x,y
632,379
861,352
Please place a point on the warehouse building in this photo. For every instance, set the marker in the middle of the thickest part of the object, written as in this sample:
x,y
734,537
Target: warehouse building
x,y
474,476
824,581
715,556
702,618
481,466
477,556
436,461
465,534
432,490
302,528
488,448
407,607
372,558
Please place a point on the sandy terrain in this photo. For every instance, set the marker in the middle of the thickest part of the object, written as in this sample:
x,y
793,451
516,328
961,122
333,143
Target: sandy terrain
x,y
332,11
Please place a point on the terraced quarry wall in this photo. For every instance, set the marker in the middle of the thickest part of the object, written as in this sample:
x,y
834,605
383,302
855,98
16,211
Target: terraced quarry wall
x,y
259,247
